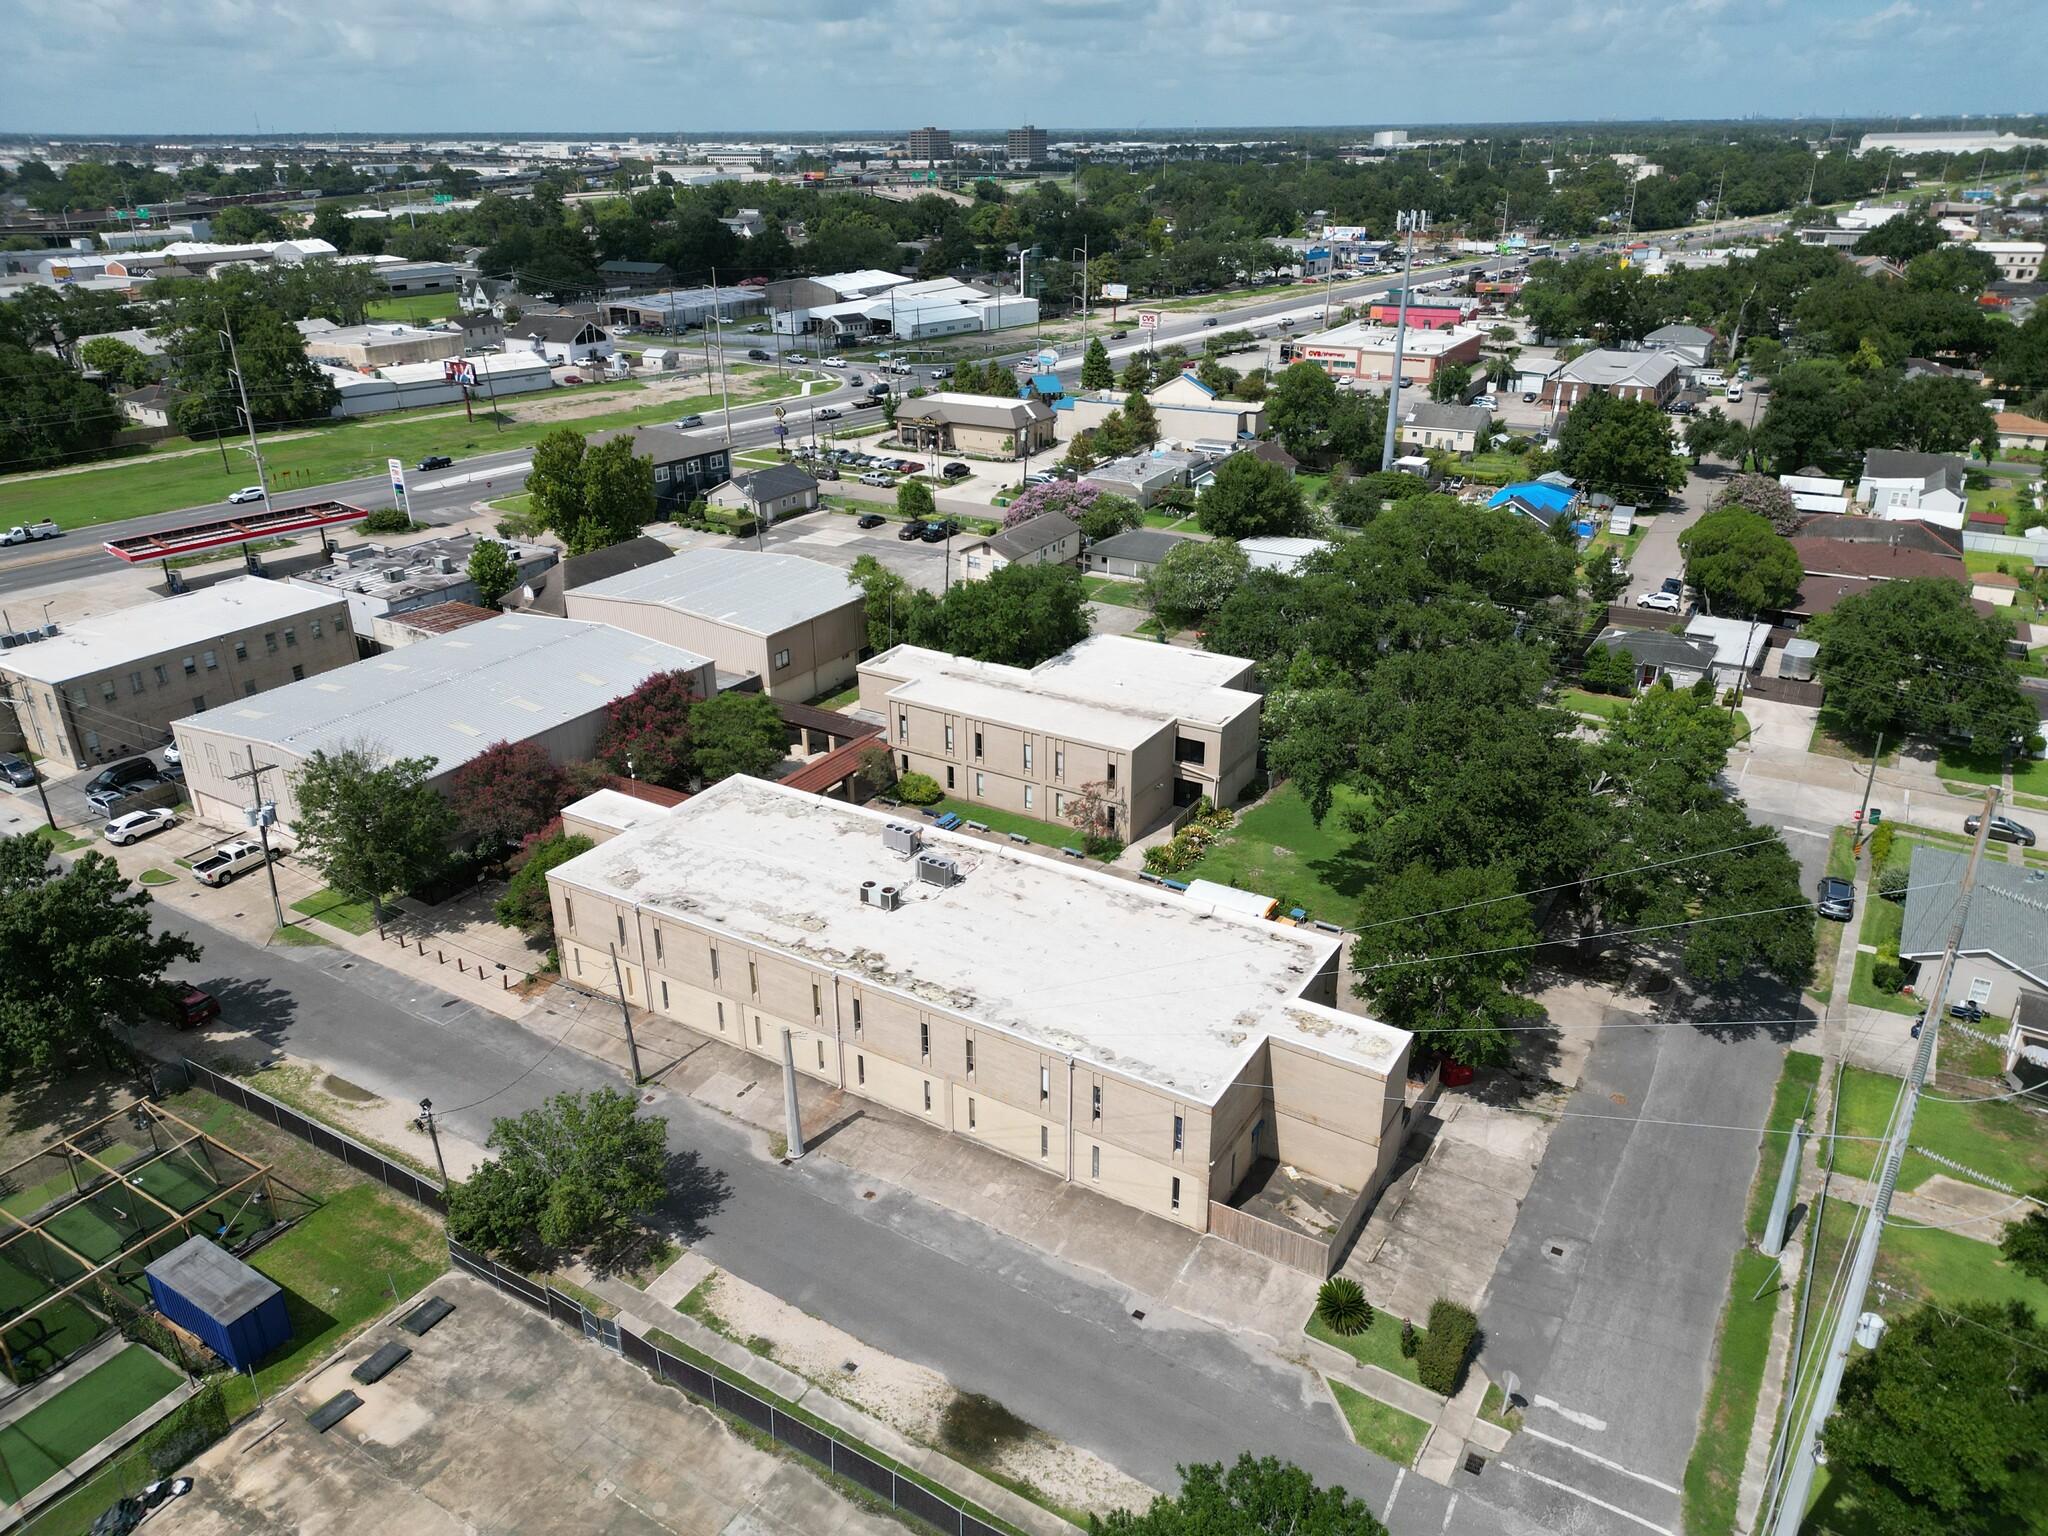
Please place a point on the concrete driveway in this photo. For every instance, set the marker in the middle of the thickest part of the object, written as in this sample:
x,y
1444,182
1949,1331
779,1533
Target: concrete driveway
x,y
1658,555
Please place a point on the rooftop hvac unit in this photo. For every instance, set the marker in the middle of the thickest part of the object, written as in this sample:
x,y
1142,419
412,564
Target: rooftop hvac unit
x,y
937,869
445,564
49,631
396,574
875,894
901,837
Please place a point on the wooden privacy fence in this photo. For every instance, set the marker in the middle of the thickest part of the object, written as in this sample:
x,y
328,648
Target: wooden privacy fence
x,y
1268,1239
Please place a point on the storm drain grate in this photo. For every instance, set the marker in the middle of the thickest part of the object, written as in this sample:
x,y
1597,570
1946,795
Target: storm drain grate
x,y
1474,1463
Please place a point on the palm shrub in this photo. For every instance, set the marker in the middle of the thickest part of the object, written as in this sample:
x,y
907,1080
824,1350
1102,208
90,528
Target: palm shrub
x,y
1342,1306
1441,1354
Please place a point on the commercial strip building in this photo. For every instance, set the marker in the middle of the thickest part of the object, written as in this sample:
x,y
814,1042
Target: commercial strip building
x,y
1364,353
403,386
378,580
798,625
111,685
380,346
846,308
1189,412
1166,1053
519,677
986,425
1155,727
1652,376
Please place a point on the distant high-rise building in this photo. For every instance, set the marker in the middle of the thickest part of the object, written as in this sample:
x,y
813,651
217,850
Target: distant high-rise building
x,y
1026,144
1390,138
931,145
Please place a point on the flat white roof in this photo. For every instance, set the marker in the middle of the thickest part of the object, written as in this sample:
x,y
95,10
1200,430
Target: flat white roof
x,y
761,593
1368,337
615,809
108,641
1143,981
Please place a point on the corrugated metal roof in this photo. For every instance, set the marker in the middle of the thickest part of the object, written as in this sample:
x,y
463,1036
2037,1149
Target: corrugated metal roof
x,y
757,592
454,695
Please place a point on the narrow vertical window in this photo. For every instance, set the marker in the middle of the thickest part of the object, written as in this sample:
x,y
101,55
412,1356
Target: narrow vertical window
x,y
949,738
579,961
856,1018
924,1038
817,1001
1176,1194
1044,1086
1095,1103
970,1114
970,1055
757,1029
664,994
754,977
714,962
1095,1162
1027,757
721,1018
569,910
622,929
1179,1132
927,1095
860,1069
1027,797
821,1055
1044,1142
657,941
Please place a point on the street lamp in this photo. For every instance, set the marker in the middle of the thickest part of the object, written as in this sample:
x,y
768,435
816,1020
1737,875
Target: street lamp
x,y
425,1122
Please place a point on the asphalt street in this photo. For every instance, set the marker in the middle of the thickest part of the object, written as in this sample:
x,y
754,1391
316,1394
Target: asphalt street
x,y
1053,1343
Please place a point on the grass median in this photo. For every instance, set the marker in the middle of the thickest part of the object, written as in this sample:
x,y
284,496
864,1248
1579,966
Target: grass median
x,y
1378,1427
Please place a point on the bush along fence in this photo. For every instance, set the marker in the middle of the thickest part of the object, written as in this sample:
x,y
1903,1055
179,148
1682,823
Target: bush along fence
x,y
393,1175
830,1453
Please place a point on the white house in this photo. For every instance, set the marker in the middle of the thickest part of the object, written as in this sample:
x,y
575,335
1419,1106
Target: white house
x,y
1899,486
1051,538
559,338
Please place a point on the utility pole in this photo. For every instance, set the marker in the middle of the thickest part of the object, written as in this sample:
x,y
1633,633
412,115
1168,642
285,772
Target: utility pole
x,y
626,1015
793,1120
724,386
242,391
21,708
1863,810
261,815
1797,1488
425,1122
1411,221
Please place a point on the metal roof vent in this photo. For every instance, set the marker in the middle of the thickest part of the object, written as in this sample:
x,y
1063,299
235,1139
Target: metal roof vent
x,y
937,869
901,837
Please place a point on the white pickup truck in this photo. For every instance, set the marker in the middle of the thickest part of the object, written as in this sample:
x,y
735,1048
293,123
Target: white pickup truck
x,y
228,861
29,533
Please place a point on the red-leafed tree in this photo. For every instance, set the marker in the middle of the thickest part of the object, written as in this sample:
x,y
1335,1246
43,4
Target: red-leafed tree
x,y
646,735
508,793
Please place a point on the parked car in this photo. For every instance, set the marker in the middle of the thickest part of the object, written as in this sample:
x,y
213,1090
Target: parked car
x,y
1528,396
2003,830
1837,898
248,493
15,771
28,533
1675,585
869,520
572,378
228,861
123,830
876,477
171,754
824,472
914,529
127,771
436,461
107,796
189,1006
1663,602
934,533
956,471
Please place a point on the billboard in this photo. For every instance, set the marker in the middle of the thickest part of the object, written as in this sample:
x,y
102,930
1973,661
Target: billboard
x,y
398,482
1148,319
1117,291
457,370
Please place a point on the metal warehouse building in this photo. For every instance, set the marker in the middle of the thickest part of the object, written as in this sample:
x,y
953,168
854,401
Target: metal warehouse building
x,y
523,677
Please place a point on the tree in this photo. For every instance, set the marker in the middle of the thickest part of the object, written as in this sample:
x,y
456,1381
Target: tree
x,y
1106,515
1248,497
525,904
1194,580
48,414
1621,448
646,734
1097,372
493,570
1451,383
2021,361
1141,422
1609,669
1944,1426
1300,408
1762,495
1266,1497
2025,1241
371,827
736,733
914,501
579,1172
1137,375
1716,433
506,793
1088,812
1900,239
1019,615
590,498
1421,955
81,953
125,365
1741,565
886,603
284,385
1915,657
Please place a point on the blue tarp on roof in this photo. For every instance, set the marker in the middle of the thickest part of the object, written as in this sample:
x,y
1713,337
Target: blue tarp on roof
x,y
1534,493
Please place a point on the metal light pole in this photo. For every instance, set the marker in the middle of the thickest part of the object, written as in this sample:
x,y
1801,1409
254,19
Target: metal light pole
x,y
793,1120
261,815
1410,221
242,392
425,1122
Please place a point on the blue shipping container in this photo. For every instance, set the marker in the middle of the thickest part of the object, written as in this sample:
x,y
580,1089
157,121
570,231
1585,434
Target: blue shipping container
x,y
232,1309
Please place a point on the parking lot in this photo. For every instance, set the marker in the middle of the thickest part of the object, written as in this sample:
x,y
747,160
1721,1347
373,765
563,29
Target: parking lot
x,y
832,538
501,1422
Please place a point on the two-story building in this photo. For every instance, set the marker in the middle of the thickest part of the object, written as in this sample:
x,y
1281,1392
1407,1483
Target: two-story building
x,y
1156,727
688,465
1168,1053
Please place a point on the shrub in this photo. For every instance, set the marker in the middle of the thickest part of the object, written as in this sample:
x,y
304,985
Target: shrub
x,y
1892,883
1410,1340
387,520
189,1429
1886,974
1881,846
1441,1354
919,789
1342,1306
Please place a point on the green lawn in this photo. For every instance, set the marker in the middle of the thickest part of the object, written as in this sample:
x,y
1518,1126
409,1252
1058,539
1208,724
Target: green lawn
x,y
1971,767
1831,738
341,451
1713,1473
36,1447
418,308
157,877
2004,1140
1883,921
1107,589
1842,853
344,912
58,838
1169,518
1950,1268
1379,1344
1605,705
291,936
1047,834
1278,851
1393,1434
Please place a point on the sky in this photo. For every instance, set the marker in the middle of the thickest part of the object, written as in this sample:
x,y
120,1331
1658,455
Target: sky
x,y
411,67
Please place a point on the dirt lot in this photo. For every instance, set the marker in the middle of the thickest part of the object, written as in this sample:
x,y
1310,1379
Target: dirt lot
x,y
502,1422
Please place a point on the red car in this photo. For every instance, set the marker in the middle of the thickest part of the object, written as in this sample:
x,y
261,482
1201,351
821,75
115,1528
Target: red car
x,y
572,378
190,1006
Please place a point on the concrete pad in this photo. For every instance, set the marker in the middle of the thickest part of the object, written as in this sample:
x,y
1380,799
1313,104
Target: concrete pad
x,y
678,1280
1144,1252
1236,1289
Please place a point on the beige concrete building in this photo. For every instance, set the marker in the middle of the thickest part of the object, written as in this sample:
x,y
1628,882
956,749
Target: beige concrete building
x,y
1171,1054
517,677
111,685
980,424
796,624
1156,726
380,346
